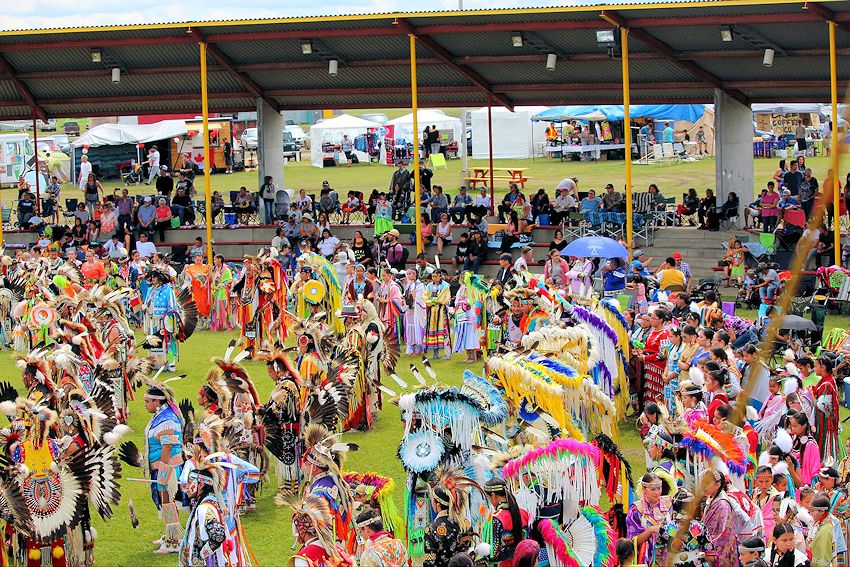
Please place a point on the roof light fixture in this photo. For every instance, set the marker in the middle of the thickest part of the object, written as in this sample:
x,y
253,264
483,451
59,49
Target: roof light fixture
x,y
606,38
333,67
96,55
306,47
116,75
551,60
726,33
768,57
516,39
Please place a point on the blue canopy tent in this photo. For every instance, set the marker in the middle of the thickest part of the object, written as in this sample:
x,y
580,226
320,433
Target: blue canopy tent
x,y
689,112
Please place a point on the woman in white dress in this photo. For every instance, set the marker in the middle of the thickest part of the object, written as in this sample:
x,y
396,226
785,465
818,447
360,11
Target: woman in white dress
x,y
414,314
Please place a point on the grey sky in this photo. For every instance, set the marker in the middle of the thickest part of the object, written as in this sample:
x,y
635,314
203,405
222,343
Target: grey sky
x,y
30,14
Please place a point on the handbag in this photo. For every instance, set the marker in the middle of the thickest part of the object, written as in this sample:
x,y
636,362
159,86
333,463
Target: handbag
x,y
175,222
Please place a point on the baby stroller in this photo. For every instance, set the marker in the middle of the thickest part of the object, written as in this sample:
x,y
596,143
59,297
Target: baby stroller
x,y
135,174
705,285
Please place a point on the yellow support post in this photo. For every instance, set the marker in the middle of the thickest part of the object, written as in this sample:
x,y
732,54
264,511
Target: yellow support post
x,y
205,112
415,106
834,143
627,135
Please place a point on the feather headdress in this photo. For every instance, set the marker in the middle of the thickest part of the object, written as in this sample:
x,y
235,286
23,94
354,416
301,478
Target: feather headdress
x,y
452,490
312,516
281,364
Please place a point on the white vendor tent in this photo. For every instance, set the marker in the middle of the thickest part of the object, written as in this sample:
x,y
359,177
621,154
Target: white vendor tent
x,y
404,125
514,134
333,130
118,134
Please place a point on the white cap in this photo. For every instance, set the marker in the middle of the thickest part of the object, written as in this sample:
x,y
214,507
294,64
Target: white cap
x,y
342,258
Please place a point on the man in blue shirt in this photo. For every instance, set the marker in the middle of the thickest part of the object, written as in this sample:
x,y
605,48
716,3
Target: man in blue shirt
x,y
640,264
668,133
614,276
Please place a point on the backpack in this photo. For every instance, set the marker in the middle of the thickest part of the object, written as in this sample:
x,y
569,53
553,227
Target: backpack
x,y
405,254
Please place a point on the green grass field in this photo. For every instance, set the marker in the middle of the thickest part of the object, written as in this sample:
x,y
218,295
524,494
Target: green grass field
x,y
672,179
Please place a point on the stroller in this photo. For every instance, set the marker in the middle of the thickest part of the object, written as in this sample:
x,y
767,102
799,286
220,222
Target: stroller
x,y
135,174
705,285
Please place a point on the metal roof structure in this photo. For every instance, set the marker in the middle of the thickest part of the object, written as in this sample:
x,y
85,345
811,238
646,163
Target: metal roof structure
x,y
464,58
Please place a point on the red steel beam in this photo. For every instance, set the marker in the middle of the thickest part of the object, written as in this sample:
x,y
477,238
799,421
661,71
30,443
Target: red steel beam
x,y
22,88
250,84
442,53
822,12
660,47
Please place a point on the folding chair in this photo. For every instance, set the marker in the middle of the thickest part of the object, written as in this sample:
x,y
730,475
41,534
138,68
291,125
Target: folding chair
x,y
643,227
657,152
7,217
573,227
438,161
667,149
670,213
768,241
70,207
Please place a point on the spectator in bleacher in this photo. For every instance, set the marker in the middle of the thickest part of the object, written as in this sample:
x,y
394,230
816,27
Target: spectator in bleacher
x,y
523,211
570,184
612,200
769,208
360,250
591,203
78,232
163,218
26,210
505,274
564,204
164,182
322,222
792,179
508,201
690,204
304,203
181,206
754,211
555,269
327,204
669,278
425,176
439,204
383,215
217,202
245,204
729,209
197,248
352,204
82,214
268,191
769,283
476,253
481,203
53,192
115,248
461,251
658,198
279,239
146,215
511,232
93,231
613,276
427,231
640,263
372,204
706,205
108,220
145,248
401,177
558,243
808,191
685,268
328,244
480,224
444,232
526,256
460,206
290,228
540,205
824,247
124,205
787,202
779,174
307,229
185,182
393,250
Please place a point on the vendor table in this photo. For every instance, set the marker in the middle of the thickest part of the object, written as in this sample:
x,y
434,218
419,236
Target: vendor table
x,y
595,149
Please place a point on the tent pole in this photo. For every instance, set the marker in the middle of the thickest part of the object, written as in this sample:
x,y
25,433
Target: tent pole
x,y
836,152
35,157
490,150
627,135
205,112
414,103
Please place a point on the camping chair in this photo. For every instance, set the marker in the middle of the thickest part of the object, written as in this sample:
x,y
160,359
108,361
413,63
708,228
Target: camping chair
x,y
680,151
657,152
643,227
70,207
573,228
768,240
7,217
667,149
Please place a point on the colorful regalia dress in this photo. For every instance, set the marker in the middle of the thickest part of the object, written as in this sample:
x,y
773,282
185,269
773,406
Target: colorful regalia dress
x,y
825,394
467,335
165,430
504,545
436,297
643,515
222,277
389,311
719,520
442,541
198,277
206,540
415,313
162,319
653,365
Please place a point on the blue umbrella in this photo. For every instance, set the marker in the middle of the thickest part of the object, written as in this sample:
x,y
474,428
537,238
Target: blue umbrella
x,y
595,247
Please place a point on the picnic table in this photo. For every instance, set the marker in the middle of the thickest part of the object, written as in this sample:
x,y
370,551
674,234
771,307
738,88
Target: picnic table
x,y
507,174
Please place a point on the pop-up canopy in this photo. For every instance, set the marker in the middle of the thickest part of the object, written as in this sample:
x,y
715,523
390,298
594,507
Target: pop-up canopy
x,y
333,130
118,134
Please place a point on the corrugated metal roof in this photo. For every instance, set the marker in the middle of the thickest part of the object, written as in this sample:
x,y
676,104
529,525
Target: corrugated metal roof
x,y
162,71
